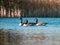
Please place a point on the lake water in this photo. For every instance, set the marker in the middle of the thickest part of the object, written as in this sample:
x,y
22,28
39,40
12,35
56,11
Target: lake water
x,y
53,25
51,30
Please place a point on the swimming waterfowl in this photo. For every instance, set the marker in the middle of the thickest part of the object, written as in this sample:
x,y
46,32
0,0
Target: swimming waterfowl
x,y
39,23
26,23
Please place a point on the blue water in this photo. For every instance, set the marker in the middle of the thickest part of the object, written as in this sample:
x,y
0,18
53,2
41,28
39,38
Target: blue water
x,y
53,26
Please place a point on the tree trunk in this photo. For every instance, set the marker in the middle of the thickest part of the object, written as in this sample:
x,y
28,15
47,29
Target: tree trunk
x,y
6,12
1,11
14,12
10,12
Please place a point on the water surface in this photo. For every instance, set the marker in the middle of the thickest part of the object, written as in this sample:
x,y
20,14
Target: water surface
x,y
53,26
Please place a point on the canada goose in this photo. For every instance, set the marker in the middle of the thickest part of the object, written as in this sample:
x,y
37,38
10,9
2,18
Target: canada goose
x,y
26,23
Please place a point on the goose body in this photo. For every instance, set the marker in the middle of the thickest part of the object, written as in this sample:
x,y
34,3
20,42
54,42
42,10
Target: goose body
x,y
27,24
20,24
41,24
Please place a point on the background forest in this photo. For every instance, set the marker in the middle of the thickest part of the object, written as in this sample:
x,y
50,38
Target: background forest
x,y
30,8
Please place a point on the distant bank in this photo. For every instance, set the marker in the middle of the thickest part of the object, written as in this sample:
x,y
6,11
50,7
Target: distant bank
x,y
30,8
29,13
